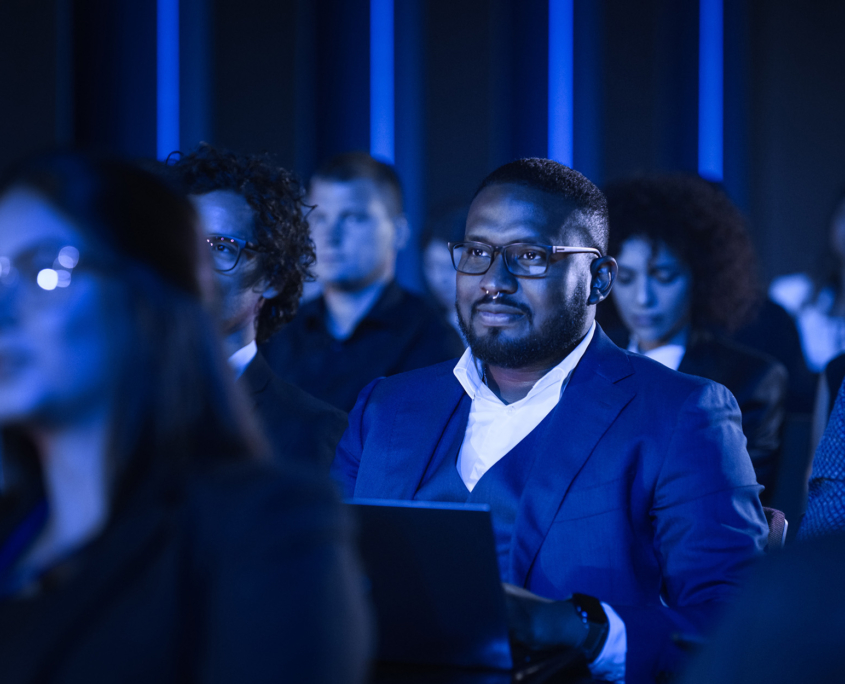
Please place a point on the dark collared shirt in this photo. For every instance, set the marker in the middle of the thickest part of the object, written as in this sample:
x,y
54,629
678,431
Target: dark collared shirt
x,y
401,332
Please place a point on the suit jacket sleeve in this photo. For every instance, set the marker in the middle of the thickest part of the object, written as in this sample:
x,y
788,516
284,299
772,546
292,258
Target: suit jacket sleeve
x,y
277,584
344,470
708,527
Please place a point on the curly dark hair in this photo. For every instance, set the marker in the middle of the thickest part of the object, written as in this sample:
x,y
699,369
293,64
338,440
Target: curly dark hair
x,y
556,179
276,197
697,221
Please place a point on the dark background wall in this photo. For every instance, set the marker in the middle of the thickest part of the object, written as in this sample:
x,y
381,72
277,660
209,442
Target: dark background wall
x,y
292,77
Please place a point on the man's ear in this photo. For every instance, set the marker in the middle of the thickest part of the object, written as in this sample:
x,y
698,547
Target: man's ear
x,y
403,231
270,292
603,271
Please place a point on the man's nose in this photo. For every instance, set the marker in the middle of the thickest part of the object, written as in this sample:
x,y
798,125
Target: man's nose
x,y
498,278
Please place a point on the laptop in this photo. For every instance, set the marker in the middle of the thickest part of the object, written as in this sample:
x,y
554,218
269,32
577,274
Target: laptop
x,y
435,586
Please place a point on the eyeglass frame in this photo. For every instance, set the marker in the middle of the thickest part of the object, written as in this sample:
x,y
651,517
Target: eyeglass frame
x,y
241,244
497,249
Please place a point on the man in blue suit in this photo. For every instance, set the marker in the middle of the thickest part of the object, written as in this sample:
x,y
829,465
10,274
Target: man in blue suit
x,y
625,507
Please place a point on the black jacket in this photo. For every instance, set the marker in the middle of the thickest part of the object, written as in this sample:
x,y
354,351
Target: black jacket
x,y
759,385
238,573
401,332
298,426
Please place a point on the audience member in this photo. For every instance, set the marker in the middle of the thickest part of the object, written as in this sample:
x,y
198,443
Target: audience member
x,y
606,473
826,491
444,227
364,325
686,266
250,211
818,303
142,536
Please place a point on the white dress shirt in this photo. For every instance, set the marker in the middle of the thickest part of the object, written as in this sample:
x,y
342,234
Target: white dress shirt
x,y
494,428
241,358
670,355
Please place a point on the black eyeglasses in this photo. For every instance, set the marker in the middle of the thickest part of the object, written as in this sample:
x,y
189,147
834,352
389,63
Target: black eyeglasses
x,y
521,259
226,251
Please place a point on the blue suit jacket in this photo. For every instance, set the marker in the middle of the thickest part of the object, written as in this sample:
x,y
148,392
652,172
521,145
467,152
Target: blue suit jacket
x,y
646,496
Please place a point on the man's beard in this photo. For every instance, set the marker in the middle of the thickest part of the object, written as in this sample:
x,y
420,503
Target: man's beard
x,y
558,336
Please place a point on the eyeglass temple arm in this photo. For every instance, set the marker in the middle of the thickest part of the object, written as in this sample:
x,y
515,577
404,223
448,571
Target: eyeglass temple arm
x,y
575,250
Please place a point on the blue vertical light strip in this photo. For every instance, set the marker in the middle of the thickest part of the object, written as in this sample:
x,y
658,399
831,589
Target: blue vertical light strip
x,y
710,90
382,125
561,62
167,74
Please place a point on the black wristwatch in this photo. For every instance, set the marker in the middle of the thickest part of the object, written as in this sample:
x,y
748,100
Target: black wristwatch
x,y
590,611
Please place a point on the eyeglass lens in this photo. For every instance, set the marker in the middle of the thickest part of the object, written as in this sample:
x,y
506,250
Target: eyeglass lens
x,y
474,258
224,253
40,271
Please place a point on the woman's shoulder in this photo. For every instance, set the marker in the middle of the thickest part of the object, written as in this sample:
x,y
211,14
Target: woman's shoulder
x,y
255,498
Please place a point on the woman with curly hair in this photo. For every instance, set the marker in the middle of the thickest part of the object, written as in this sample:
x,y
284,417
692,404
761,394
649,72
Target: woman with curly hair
x,y
686,269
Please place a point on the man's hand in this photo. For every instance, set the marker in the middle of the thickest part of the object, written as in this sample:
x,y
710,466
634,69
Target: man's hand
x,y
540,623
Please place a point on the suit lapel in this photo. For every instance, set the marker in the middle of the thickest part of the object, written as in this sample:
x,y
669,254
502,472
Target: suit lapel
x,y
393,466
256,376
589,405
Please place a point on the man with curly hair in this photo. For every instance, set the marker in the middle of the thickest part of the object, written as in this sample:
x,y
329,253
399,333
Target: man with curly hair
x,y
251,213
686,271
364,325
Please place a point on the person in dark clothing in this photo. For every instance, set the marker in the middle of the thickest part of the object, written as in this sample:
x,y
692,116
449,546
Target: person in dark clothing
x,y
251,214
145,535
771,330
364,325
686,268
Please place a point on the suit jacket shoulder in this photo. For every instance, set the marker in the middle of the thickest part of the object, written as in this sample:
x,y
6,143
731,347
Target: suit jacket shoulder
x,y
299,426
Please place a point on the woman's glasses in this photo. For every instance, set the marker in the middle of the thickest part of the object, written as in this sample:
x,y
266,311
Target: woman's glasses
x,y
39,271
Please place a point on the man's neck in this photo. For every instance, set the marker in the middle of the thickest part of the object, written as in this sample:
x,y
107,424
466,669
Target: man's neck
x,y
346,309
512,384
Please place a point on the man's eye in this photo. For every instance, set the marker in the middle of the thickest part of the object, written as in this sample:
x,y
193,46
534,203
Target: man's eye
x,y
529,256
476,252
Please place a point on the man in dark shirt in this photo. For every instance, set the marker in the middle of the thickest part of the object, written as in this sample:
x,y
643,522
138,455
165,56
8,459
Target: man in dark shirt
x,y
364,325
260,251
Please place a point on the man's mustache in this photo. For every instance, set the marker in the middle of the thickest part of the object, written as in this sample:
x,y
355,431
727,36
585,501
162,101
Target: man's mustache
x,y
504,300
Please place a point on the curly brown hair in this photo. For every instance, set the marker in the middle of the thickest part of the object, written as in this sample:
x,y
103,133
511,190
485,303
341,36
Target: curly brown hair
x,y
697,221
276,197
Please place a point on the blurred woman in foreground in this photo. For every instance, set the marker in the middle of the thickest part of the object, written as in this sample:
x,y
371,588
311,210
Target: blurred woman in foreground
x,y
142,536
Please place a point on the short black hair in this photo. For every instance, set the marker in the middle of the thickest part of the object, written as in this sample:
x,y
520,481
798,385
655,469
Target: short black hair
x,y
559,180
276,198
350,166
697,221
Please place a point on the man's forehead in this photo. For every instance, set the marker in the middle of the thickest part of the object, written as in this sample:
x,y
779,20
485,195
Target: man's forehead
x,y
512,208
224,212
357,190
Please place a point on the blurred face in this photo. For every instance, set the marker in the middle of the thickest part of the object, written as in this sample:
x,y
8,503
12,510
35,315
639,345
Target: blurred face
x,y
653,292
440,274
516,322
355,236
240,291
61,331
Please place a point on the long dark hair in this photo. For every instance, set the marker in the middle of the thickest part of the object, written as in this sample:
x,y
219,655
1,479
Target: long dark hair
x,y
178,407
